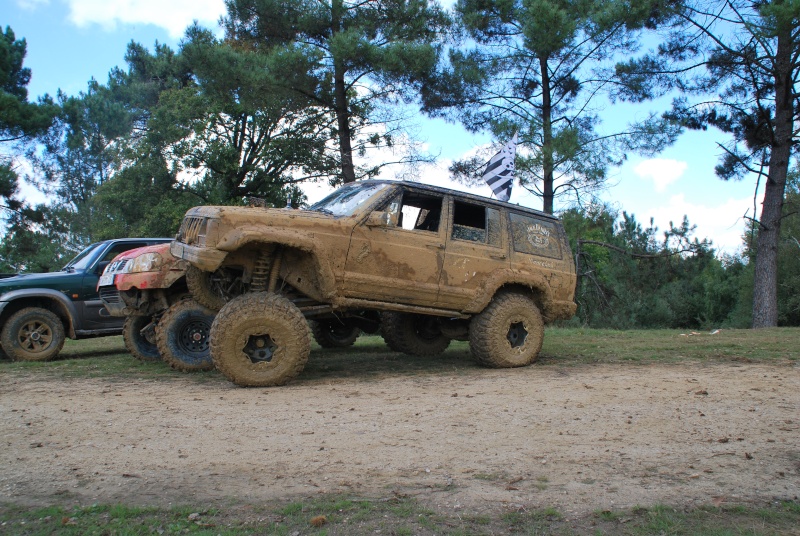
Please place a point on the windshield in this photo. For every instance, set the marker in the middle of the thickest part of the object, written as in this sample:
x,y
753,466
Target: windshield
x,y
347,199
83,259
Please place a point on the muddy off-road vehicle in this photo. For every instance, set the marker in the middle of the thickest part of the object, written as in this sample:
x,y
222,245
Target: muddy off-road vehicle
x,y
147,286
438,265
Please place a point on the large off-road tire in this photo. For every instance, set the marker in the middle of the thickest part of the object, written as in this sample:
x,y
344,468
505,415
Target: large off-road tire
x,y
182,336
259,340
334,333
140,338
413,334
508,333
210,289
3,355
33,334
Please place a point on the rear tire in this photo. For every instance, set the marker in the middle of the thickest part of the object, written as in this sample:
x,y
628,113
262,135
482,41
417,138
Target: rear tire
x,y
508,333
412,334
182,336
260,340
334,333
140,338
32,334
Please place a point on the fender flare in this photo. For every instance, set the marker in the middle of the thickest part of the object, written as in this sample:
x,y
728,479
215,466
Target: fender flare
x,y
64,305
240,238
537,284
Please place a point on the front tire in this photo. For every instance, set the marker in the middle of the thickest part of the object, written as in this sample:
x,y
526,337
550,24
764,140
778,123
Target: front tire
x,y
212,289
508,333
334,333
412,334
182,336
33,334
260,340
140,338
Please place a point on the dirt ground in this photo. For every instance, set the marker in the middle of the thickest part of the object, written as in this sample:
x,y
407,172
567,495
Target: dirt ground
x,y
578,439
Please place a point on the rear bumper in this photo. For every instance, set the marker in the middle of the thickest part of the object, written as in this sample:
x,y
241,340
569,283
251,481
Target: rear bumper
x,y
561,310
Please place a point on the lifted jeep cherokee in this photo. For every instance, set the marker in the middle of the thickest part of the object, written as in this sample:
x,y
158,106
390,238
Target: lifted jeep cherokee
x,y
439,265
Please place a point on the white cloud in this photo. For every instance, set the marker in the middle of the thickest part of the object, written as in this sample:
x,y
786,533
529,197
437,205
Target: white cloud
x,y
723,223
173,15
32,5
661,171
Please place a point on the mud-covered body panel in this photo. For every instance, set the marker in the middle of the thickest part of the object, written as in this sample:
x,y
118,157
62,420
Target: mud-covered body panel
x,y
126,292
407,247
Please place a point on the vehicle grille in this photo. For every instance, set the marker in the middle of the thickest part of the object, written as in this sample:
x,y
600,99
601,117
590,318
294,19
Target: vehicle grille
x,y
190,229
110,295
117,266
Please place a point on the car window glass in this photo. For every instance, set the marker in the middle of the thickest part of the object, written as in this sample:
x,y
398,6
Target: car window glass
x,y
119,248
417,212
83,259
476,223
534,236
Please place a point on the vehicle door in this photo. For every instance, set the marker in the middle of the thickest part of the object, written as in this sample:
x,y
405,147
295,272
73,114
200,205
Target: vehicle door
x,y
476,247
396,253
94,314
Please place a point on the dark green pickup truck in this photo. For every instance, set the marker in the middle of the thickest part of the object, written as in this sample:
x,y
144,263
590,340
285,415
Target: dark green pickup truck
x,y
38,311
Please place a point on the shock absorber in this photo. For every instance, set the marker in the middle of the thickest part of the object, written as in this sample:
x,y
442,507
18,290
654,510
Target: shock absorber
x,y
261,271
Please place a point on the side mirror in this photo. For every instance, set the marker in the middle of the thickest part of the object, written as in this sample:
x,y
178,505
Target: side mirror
x,y
101,266
382,219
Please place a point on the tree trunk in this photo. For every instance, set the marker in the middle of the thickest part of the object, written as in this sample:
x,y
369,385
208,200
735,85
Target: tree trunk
x,y
547,140
340,103
765,288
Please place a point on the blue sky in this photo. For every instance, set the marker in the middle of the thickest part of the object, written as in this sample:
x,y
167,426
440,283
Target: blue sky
x,y
71,41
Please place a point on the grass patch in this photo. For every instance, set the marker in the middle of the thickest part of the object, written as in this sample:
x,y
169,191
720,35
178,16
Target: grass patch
x,y
369,359
336,515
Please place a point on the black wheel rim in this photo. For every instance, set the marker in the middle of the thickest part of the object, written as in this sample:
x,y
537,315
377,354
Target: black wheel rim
x,y
340,332
517,334
427,329
260,348
194,337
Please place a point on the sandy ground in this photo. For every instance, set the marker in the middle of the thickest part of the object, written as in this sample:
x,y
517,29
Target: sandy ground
x,y
578,439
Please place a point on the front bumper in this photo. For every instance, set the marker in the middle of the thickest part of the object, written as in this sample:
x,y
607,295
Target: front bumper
x,y
206,259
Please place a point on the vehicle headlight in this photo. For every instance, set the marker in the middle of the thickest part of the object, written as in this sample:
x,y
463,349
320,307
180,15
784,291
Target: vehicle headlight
x,y
208,233
149,262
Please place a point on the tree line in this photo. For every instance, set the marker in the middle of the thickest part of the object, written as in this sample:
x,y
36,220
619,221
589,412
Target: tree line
x,y
301,91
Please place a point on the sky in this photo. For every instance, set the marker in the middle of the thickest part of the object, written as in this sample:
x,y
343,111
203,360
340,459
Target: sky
x,y
69,42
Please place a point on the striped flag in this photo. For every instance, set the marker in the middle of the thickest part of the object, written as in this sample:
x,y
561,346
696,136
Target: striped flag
x,y
499,174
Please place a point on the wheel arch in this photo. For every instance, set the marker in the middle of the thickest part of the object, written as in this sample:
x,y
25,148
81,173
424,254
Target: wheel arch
x,y
534,286
51,300
302,265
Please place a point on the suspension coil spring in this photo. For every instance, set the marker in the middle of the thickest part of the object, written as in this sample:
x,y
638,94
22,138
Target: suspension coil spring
x,y
261,272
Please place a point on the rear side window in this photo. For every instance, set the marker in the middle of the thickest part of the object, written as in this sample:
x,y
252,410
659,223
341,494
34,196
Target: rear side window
x,y
476,223
535,237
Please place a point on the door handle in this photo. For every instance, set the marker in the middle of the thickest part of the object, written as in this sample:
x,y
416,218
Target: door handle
x,y
498,257
435,246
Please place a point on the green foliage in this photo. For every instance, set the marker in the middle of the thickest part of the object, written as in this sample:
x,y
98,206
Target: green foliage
x,y
18,117
539,68
357,57
631,278
20,120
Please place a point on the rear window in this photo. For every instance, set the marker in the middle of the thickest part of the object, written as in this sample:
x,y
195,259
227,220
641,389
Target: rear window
x,y
535,237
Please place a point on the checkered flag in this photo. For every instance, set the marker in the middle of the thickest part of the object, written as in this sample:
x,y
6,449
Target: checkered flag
x,y
499,174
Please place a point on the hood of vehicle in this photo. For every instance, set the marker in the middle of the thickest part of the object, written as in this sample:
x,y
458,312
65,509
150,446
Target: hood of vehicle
x,y
52,280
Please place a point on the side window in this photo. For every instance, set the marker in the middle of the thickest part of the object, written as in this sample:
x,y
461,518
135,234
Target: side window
x,y
476,223
534,236
417,212
119,248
